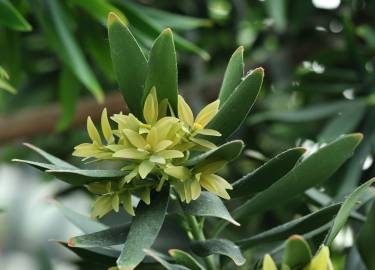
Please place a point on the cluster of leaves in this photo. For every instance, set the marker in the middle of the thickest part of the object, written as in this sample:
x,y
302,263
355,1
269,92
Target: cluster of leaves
x,y
277,182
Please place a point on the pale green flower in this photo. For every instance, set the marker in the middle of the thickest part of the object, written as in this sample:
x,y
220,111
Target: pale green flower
x,y
188,182
321,261
268,263
197,126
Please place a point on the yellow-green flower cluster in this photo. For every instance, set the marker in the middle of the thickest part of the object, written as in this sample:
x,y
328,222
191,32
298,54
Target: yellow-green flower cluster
x,y
153,153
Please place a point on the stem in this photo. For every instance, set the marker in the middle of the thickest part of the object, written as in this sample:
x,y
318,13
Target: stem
x,y
197,234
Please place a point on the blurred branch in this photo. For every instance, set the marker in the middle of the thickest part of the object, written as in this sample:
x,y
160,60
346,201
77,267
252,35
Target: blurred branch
x,y
42,120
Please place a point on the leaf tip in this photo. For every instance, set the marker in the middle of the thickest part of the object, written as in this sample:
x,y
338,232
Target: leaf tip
x,y
296,237
71,242
112,18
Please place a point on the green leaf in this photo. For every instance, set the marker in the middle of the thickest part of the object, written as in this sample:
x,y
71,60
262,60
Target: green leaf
x,y
185,259
54,160
68,95
99,9
149,28
38,165
366,239
297,252
277,11
267,174
79,177
345,210
227,151
312,171
85,224
160,259
54,21
109,237
144,229
10,17
307,114
300,225
218,246
4,85
208,205
129,63
102,256
236,108
175,21
162,69
344,123
233,75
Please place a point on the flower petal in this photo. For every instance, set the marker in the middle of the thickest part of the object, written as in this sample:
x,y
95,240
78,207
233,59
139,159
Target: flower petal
x,y
145,168
207,113
268,263
106,127
169,154
126,199
93,132
162,145
150,109
203,142
208,132
184,112
179,172
134,138
152,137
130,153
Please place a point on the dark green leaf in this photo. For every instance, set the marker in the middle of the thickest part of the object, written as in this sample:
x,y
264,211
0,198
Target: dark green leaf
x,y
366,240
85,224
236,108
267,174
297,252
185,259
218,246
208,205
149,28
102,256
129,63
345,210
79,177
227,151
233,75
99,9
144,229
175,21
162,69
39,165
10,17
54,20
304,115
109,237
160,259
68,94
300,225
312,171
54,160
344,123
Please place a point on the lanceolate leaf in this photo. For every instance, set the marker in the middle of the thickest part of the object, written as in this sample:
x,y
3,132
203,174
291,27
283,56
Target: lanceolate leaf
x,y
219,246
233,75
54,160
345,210
10,17
144,229
267,174
39,165
208,205
162,70
129,63
297,252
54,22
185,259
312,171
109,237
235,109
101,256
300,225
366,240
85,224
160,258
227,151
79,177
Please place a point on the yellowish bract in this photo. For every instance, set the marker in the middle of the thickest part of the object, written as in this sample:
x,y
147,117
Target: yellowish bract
x,y
152,153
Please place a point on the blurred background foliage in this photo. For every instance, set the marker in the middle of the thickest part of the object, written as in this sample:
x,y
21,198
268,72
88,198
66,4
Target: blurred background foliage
x,y
318,55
